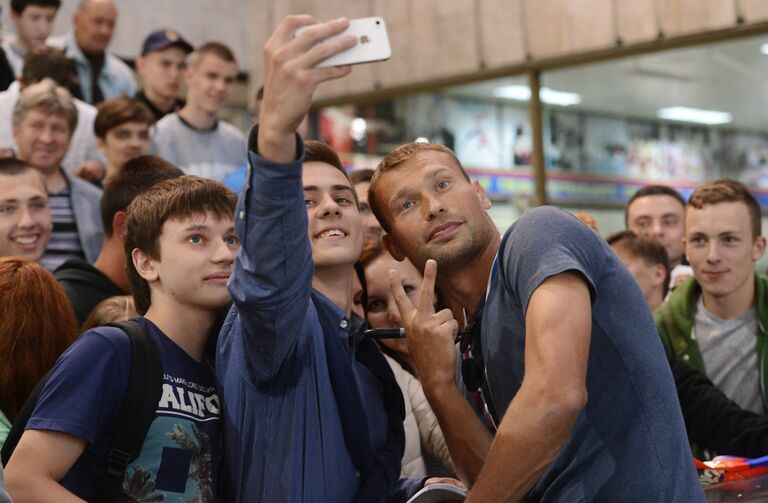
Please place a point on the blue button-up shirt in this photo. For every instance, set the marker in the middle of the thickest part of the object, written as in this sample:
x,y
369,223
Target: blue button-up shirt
x,y
283,434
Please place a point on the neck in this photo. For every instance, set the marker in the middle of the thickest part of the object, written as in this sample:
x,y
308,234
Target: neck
x,y
675,263
164,103
187,326
111,262
463,288
655,299
336,284
20,46
197,117
54,179
729,307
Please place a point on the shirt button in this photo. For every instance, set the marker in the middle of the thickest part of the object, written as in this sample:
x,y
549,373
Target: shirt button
x,y
343,324
242,215
357,474
686,358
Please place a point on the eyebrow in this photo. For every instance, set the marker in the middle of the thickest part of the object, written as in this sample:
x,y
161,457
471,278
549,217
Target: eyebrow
x,y
31,199
400,194
334,188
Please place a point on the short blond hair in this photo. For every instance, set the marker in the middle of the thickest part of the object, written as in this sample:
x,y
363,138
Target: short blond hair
x,y
46,95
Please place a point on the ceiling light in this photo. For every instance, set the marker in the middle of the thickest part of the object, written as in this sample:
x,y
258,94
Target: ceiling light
x,y
421,139
549,96
764,49
358,127
695,115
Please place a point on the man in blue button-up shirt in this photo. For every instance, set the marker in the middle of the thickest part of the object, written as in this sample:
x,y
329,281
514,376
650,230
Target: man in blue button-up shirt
x,y
312,412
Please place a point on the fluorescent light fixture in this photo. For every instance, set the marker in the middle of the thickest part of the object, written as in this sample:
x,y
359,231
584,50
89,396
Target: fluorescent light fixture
x,y
421,139
695,115
549,96
358,128
764,49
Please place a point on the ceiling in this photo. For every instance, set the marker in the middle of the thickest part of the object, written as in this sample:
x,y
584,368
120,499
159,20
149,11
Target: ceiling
x,y
727,76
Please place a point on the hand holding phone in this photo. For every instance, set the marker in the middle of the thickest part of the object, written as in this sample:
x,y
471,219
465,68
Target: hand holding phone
x,y
372,43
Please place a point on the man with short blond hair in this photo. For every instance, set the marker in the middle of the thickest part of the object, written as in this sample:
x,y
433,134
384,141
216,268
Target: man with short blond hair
x,y
194,138
43,121
715,321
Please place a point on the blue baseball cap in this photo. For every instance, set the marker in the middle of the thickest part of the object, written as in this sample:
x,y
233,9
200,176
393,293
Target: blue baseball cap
x,y
163,39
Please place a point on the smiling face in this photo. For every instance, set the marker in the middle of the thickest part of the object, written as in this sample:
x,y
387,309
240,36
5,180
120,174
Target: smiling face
x,y
34,25
123,143
721,248
162,71
25,217
210,82
433,211
334,225
196,259
42,139
660,217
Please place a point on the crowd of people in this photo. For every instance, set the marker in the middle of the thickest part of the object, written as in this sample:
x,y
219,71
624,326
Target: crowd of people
x,y
330,336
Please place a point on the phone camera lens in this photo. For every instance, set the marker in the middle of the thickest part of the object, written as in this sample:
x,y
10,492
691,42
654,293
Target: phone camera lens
x,y
378,23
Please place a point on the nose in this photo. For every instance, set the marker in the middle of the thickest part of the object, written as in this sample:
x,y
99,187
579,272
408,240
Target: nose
x,y
432,206
657,229
26,220
393,313
224,253
328,206
713,252
46,135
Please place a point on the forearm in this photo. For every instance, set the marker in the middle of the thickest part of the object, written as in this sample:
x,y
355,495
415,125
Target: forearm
x,y
32,489
535,427
467,438
272,277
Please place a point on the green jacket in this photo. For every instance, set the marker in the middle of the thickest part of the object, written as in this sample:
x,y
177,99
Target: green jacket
x,y
674,320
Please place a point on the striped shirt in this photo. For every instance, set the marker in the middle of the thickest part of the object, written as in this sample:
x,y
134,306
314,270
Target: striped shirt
x,y
65,241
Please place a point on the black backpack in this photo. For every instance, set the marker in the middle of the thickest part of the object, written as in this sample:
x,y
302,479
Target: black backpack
x,y
135,415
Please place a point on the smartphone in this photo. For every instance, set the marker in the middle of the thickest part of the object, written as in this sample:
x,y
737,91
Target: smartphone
x,y
372,43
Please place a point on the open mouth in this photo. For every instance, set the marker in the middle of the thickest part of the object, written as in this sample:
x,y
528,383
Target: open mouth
x,y
332,233
27,241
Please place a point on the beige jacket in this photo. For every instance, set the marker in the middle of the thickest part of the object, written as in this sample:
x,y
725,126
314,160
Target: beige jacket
x,y
421,427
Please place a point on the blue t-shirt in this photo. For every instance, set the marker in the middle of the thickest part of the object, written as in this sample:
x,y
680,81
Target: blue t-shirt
x,y
180,456
629,443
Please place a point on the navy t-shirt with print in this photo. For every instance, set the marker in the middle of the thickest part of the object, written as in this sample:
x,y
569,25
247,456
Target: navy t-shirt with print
x,y
179,459
629,443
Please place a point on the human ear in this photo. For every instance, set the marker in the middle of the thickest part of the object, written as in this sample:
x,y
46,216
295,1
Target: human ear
x,y
118,223
485,201
144,265
392,248
758,249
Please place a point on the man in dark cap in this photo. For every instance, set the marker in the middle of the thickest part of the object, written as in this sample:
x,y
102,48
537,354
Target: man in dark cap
x,y
161,66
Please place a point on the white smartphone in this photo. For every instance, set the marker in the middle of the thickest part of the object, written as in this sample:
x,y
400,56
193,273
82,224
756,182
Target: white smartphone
x,y
372,43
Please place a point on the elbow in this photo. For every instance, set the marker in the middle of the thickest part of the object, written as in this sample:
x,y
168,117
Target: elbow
x,y
563,403
19,485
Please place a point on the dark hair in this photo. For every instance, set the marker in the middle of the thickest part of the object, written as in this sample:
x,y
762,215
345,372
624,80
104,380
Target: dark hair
x,y
48,62
317,151
648,250
133,178
217,49
18,6
118,111
177,198
12,166
728,191
37,325
361,175
652,190
394,159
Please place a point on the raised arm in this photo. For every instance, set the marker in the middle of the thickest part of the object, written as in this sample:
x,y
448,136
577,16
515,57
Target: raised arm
x,y
540,418
272,280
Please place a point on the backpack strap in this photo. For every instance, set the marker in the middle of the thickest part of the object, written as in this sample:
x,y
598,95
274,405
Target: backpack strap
x,y
137,410
21,420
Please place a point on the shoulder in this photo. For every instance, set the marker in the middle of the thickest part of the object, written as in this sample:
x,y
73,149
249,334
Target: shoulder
x,y
119,67
550,229
169,122
84,110
83,188
230,130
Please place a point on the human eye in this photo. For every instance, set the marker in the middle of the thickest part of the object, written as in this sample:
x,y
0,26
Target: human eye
x,y
442,184
309,202
375,306
7,209
408,289
195,239
38,205
697,240
731,240
406,205
232,240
